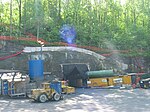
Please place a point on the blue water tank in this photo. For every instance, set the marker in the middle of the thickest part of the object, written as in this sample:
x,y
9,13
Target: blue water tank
x,y
36,69
56,86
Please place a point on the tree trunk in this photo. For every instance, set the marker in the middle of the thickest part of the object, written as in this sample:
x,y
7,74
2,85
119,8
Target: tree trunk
x,y
25,16
10,17
19,4
59,11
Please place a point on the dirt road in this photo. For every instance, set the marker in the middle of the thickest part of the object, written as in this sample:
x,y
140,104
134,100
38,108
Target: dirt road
x,y
85,100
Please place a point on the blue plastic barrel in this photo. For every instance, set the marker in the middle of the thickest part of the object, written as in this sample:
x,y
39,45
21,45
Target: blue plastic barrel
x,y
56,86
36,69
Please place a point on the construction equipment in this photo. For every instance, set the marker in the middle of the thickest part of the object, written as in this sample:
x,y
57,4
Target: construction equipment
x,y
50,91
109,81
145,83
67,89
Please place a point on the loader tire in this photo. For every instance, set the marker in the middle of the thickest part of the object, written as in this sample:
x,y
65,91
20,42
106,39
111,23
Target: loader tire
x,y
56,97
42,98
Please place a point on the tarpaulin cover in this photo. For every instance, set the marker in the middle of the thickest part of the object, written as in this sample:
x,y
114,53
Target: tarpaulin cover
x,y
76,71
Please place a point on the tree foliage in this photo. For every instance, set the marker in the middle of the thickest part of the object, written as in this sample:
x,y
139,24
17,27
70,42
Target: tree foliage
x,y
127,25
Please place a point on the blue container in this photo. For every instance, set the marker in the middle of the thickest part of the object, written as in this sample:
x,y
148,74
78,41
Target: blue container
x,y
36,69
5,87
56,86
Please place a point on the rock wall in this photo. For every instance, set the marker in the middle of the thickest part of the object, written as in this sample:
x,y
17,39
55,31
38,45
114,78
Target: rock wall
x,y
53,59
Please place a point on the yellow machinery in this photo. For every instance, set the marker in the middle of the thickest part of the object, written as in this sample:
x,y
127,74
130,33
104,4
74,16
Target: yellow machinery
x,y
109,81
67,89
97,82
115,81
119,80
47,92
127,79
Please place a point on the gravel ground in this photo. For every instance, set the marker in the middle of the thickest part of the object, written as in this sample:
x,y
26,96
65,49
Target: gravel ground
x,y
85,100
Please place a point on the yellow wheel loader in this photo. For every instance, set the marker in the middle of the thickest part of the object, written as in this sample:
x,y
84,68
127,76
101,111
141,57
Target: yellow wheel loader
x,y
50,91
